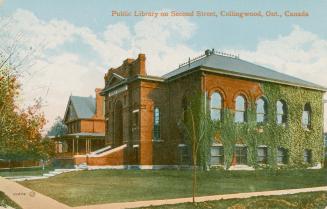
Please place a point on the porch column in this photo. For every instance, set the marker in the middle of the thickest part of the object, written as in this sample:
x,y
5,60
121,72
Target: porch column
x,y
77,147
73,146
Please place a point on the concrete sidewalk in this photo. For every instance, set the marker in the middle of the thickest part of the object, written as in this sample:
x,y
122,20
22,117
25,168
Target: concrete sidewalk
x,y
200,199
29,199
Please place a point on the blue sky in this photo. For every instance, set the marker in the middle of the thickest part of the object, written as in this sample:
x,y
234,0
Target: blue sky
x,y
221,32
80,40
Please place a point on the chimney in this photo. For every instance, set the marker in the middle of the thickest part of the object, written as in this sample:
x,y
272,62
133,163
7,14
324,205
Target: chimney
x,y
138,66
141,61
99,108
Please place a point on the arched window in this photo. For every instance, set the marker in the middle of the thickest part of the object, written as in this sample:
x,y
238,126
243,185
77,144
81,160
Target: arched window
x,y
215,106
261,109
306,116
281,112
240,107
156,123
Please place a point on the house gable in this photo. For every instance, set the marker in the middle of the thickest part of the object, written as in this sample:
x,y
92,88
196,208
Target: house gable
x,y
70,112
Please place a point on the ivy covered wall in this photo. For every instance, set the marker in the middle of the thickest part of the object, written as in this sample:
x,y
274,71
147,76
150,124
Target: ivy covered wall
x,y
292,136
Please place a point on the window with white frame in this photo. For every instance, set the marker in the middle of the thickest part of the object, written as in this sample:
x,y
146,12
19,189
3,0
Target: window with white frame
x,y
216,106
282,155
217,155
184,154
240,108
241,155
156,123
262,157
306,116
281,112
307,156
261,110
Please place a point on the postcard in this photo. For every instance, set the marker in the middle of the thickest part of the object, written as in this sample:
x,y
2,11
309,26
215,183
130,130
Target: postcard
x,y
163,104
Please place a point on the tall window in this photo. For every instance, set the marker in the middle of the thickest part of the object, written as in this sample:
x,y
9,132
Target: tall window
x,y
240,107
241,155
184,154
282,157
307,156
216,106
217,155
281,112
306,116
261,109
135,119
262,155
156,124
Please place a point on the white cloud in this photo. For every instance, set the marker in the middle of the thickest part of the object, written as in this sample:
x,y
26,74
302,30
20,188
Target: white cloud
x,y
300,53
58,72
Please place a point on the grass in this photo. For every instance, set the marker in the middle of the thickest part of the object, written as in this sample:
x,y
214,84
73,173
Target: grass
x,y
32,171
106,186
310,200
6,201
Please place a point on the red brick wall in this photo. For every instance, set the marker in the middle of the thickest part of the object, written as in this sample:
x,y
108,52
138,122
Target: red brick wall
x,y
99,101
14,164
116,158
144,95
93,126
79,160
231,87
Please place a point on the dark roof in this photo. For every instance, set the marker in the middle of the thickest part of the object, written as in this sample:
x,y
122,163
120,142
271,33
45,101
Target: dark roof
x,y
83,106
234,65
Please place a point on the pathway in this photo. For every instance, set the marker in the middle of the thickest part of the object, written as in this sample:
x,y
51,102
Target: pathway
x,y
199,199
29,199
44,176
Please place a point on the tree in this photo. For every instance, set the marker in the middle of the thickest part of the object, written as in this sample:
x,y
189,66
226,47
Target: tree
x,y
20,128
198,129
58,128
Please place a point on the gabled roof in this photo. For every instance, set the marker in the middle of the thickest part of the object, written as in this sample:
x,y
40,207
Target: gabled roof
x,y
235,66
115,76
84,106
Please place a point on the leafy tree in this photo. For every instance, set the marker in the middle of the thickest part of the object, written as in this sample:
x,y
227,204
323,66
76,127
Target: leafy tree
x,y
20,129
58,128
198,129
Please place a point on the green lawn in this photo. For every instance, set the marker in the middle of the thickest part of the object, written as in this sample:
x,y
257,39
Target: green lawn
x,y
34,171
4,201
105,186
311,200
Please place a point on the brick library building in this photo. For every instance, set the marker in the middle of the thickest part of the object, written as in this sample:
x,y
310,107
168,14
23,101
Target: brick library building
x,y
141,114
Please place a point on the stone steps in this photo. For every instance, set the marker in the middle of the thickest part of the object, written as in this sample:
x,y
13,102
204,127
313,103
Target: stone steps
x,y
44,176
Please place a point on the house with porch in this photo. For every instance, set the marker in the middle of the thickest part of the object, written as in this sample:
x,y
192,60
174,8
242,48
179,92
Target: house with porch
x,y
84,118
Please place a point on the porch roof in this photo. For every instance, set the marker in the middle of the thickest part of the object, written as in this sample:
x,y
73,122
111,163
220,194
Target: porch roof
x,y
82,135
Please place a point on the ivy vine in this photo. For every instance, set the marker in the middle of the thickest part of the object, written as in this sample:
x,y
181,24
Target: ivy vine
x,y
292,136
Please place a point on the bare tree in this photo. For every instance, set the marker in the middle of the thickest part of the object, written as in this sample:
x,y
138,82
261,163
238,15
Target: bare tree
x,y
198,129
